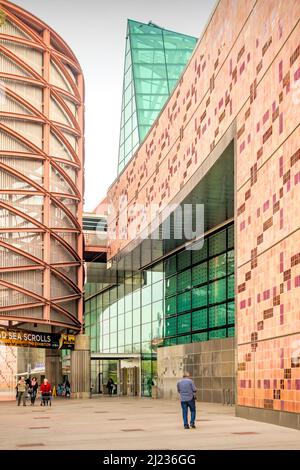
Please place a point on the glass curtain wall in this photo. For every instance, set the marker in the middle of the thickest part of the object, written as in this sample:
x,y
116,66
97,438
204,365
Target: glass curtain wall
x,y
199,291
128,317
154,61
187,298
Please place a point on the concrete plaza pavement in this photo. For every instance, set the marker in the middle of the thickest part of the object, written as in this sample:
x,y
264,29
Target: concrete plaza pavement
x,y
110,423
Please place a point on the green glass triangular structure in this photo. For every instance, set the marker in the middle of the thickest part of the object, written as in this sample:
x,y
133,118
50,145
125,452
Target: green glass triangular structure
x,y
154,61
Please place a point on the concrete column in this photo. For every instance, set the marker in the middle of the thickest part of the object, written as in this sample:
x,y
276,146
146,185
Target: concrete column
x,y
53,366
81,367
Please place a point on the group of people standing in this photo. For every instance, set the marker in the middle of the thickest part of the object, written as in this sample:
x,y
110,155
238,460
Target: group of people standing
x,y
31,387
64,389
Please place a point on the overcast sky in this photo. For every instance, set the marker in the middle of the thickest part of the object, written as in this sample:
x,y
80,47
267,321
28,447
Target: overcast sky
x,y
96,30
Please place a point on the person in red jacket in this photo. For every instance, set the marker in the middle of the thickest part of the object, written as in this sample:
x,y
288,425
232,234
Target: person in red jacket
x,y
46,392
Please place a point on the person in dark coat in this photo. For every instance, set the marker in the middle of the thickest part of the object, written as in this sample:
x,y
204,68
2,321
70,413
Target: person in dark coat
x,y
32,390
110,385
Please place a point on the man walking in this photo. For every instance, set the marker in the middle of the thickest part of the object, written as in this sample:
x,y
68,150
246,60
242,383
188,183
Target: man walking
x,y
22,391
186,389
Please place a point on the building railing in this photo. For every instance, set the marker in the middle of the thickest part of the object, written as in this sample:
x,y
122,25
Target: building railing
x,y
95,238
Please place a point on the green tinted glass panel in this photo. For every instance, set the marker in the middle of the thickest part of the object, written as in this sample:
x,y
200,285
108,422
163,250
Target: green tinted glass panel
x,y
146,295
128,302
217,243
184,323
136,334
170,266
87,319
113,295
105,327
93,345
170,342
121,305
105,342
136,296
146,313
136,317
171,306
113,309
231,332
157,311
157,291
200,252
197,337
184,280
230,281
183,259
217,316
184,339
199,274
105,315
217,291
121,322
105,297
171,326
146,332
184,302
113,324
146,347
157,329
113,340
199,296
171,285
230,312
157,273
199,320
93,317
217,334
121,337
128,347
230,262
128,319
230,234
217,267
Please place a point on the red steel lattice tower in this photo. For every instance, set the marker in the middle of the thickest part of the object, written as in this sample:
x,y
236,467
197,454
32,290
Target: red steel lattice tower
x,y
41,174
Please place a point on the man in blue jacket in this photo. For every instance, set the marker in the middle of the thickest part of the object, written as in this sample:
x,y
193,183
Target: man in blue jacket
x,y
187,390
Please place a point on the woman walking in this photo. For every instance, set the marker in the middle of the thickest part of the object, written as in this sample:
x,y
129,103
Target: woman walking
x,y
33,388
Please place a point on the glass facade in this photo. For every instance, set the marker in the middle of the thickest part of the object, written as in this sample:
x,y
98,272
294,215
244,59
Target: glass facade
x,y
128,317
154,61
187,298
199,291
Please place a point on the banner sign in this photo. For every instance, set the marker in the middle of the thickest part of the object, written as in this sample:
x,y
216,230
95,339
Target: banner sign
x,y
36,340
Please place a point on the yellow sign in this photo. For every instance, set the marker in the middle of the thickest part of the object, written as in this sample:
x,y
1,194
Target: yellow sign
x,y
9,337
66,341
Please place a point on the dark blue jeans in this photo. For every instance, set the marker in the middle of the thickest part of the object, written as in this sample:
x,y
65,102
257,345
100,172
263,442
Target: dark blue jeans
x,y
185,405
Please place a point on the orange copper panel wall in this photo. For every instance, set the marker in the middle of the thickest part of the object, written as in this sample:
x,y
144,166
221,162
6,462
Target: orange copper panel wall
x,y
245,70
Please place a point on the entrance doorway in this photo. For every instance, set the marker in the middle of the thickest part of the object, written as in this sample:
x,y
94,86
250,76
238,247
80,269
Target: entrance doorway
x,y
130,381
123,369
